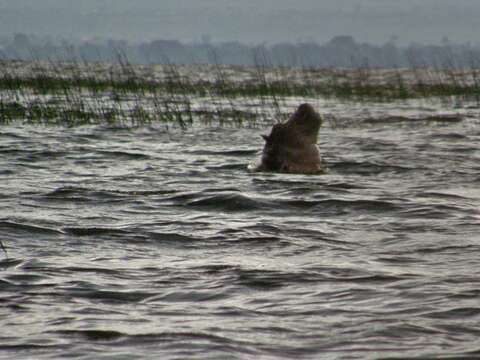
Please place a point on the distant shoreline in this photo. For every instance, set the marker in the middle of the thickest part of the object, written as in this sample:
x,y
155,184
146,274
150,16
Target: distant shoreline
x,y
342,51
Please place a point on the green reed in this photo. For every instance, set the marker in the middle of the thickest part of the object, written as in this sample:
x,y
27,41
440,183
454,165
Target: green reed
x,y
81,93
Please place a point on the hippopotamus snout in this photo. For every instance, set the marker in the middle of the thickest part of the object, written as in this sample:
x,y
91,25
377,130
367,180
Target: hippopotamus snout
x,y
291,146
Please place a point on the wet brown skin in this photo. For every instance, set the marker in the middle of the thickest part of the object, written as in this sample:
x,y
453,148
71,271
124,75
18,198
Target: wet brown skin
x,y
291,146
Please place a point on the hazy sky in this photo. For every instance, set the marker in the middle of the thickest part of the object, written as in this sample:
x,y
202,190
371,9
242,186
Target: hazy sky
x,y
251,21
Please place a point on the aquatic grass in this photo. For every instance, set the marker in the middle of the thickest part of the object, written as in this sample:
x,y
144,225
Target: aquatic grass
x,y
77,93
268,81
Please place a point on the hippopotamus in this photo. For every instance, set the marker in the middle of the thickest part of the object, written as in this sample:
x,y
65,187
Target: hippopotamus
x,y
291,147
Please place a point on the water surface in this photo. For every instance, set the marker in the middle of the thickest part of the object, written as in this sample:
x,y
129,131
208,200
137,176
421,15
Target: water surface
x,y
148,243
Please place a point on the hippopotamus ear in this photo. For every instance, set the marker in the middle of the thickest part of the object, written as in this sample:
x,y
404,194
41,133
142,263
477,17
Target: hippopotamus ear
x,y
265,137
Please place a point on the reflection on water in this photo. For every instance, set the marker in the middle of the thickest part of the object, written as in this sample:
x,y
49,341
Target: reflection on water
x,y
160,244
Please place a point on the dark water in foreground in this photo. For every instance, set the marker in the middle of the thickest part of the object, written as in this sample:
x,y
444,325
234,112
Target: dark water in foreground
x,y
152,244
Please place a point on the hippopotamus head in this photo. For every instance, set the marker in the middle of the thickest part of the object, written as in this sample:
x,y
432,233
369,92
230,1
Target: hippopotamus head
x,y
291,146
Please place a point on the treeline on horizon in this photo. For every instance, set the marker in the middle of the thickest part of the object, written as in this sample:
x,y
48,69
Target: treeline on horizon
x,y
341,51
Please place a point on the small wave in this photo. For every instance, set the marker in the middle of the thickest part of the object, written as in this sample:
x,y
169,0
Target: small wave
x,y
343,186
251,237
448,136
96,270
171,237
450,248
371,278
6,285
8,151
87,138
26,278
6,172
107,296
456,313
72,193
32,156
232,153
9,262
228,167
441,195
207,340
94,231
186,296
232,202
395,120
181,198
308,183
377,145
12,135
433,211
29,228
397,259
19,348
258,240
145,192
93,335
269,279
366,168
124,155
227,202
344,205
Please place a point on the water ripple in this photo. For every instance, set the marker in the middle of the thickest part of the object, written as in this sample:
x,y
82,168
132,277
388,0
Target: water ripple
x,y
163,245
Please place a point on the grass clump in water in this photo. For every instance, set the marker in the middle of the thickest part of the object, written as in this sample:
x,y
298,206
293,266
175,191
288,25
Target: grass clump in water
x,y
82,93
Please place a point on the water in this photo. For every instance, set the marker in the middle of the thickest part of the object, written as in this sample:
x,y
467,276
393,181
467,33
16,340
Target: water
x,y
147,243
